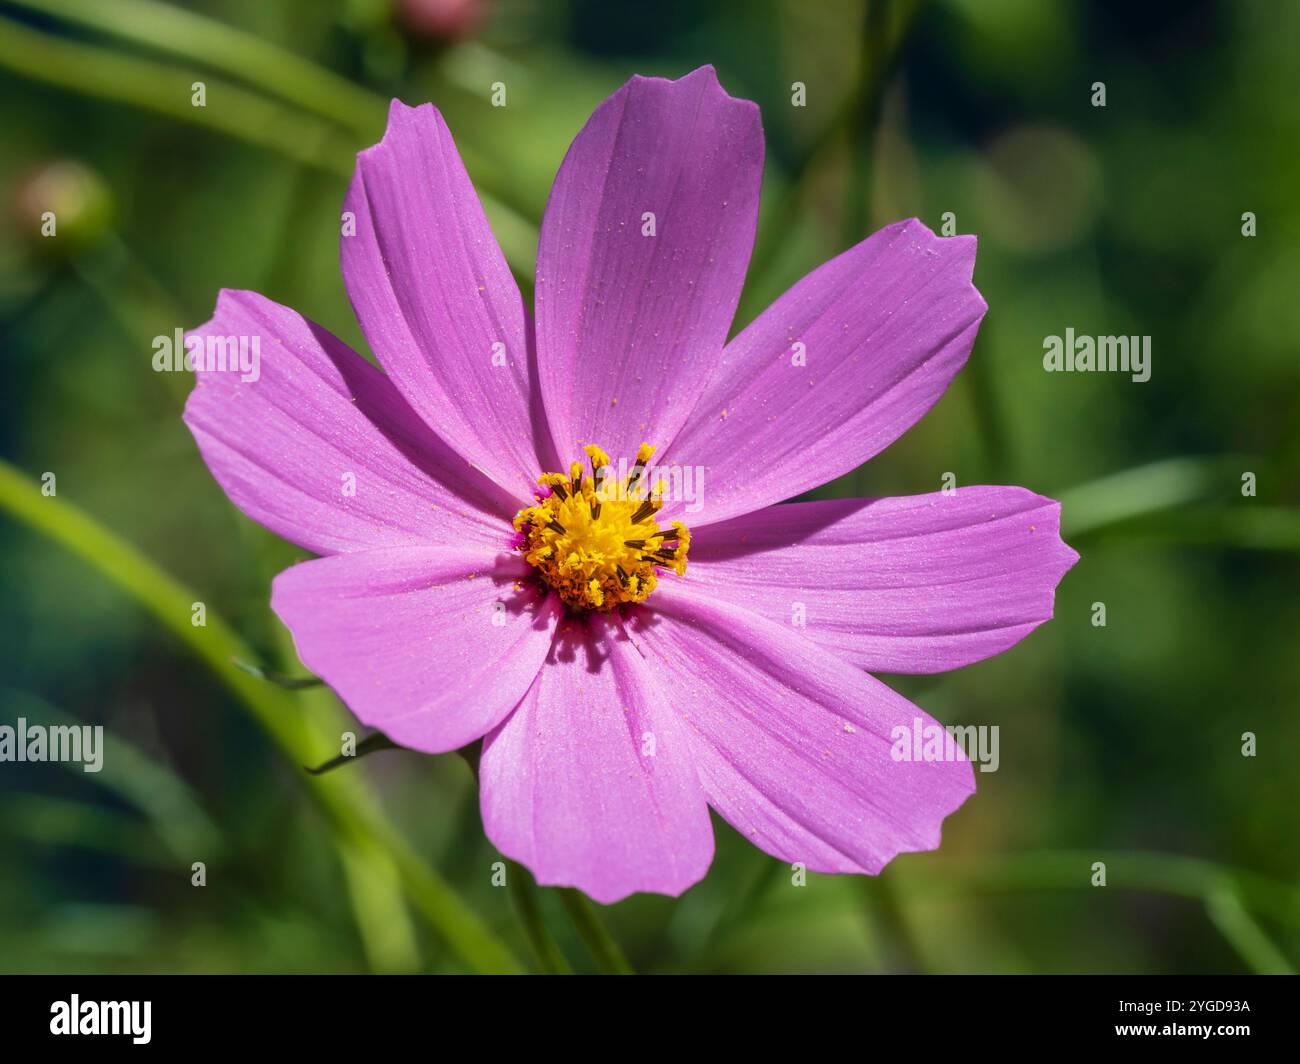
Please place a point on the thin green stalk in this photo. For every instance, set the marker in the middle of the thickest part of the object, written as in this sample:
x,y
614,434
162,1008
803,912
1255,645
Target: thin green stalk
x,y
165,90
374,882
374,887
550,958
192,36
607,953
347,804
271,69
980,380
1182,500
783,215
874,68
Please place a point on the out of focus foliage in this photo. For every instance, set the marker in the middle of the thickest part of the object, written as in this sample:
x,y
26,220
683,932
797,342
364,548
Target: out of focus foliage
x,y
1119,744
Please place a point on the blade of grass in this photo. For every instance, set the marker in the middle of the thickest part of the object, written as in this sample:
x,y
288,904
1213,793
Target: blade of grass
x,y
876,63
1142,490
190,35
165,90
1248,526
854,108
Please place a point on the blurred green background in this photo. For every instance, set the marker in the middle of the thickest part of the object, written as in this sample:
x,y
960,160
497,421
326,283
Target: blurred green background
x,y
1119,744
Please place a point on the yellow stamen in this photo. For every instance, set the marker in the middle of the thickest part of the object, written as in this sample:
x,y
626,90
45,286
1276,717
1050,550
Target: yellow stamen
x,y
595,540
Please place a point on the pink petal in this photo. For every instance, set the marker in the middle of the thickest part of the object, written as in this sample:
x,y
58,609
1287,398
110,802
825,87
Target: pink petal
x,y
431,645
629,327
316,420
884,328
793,745
434,297
590,782
917,584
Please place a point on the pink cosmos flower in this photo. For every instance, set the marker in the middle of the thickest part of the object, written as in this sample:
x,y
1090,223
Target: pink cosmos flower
x,y
628,657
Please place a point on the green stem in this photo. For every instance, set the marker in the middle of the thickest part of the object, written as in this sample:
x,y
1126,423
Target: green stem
x,y
371,744
375,889
1181,500
163,89
852,111
874,69
600,943
782,216
550,958
214,44
349,808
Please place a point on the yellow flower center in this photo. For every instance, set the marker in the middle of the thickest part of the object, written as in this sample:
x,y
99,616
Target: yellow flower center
x,y
594,539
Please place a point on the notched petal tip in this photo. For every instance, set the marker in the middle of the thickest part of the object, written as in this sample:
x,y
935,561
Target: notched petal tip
x,y
960,250
225,296
1045,513
229,301
230,298
934,839
611,894
401,117
1072,557
959,786
1066,554
709,74
712,87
